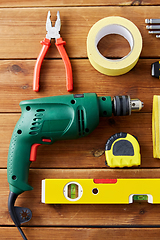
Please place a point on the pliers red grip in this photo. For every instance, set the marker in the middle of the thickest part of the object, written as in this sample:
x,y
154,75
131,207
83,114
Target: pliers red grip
x,y
53,32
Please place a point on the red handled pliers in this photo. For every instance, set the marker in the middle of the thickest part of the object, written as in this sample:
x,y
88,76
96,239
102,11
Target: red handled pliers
x,y
53,32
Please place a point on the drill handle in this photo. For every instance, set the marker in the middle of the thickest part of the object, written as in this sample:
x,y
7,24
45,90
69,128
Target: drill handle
x,y
18,163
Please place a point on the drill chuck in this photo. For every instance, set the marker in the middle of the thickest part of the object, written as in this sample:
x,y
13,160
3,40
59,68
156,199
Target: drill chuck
x,y
123,105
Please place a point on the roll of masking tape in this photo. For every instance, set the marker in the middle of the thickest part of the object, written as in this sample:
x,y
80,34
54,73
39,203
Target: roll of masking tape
x,y
114,25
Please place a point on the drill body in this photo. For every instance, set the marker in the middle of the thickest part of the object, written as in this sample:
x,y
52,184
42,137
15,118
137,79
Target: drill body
x,y
46,120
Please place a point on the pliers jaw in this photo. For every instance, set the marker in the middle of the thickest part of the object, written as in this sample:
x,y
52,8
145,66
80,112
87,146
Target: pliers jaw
x,y
53,32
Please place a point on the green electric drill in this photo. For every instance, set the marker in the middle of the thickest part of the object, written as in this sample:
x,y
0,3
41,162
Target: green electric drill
x,y
46,120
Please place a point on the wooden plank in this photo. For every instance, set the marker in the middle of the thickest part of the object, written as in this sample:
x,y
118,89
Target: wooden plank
x,y
80,215
39,233
70,3
17,81
20,36
22,27
87,152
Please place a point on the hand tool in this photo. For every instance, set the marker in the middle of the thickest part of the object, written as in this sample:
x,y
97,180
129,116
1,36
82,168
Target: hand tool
x,y
53,32
122,150
100,191
153,27
46,120
154,32
153,21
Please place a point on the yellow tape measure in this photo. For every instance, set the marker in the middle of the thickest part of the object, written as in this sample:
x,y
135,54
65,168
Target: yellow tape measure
x,y
114,25
122,150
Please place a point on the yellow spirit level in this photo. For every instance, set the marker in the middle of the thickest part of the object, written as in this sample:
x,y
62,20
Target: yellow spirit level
x,y
100,191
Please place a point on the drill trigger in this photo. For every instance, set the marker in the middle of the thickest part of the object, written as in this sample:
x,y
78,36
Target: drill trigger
x,y
33,152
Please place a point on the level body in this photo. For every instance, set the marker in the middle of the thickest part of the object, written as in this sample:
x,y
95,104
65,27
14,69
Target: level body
x,y
99,191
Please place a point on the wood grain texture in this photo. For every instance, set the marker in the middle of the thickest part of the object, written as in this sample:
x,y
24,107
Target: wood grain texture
x,y
39,233
17,80
22,27
81,214
61,3
20,37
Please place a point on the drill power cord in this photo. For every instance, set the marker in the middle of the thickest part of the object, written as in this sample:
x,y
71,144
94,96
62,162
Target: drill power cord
x,y
22,233
19,215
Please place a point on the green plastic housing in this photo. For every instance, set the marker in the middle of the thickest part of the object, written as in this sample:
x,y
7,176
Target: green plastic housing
x,y
54,118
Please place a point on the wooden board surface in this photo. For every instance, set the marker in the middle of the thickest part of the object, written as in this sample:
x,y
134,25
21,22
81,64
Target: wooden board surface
x,y
82,215
22,27
71,3
81,233
20,37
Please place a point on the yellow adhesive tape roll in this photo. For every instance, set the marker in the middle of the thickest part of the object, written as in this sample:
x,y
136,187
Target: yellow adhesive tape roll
x,y
114,25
